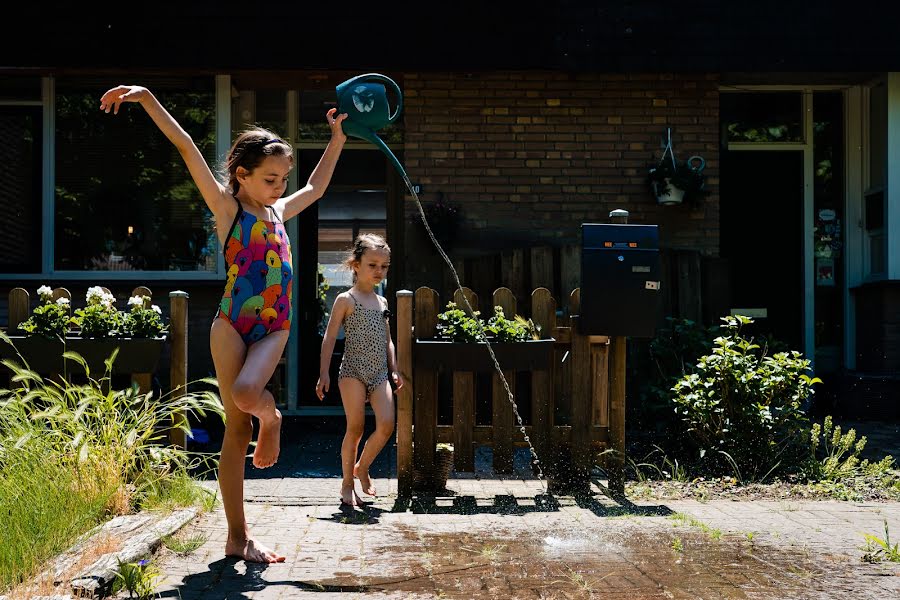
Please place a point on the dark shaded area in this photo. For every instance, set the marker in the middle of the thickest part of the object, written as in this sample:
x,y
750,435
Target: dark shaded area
x,y
608,36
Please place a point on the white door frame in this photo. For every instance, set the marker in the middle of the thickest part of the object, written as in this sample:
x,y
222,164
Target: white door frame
x,y
806,147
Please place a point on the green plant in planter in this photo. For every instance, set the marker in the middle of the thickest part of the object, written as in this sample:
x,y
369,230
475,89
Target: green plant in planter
x,y
456,325
517,329
144,320
99,318
49,319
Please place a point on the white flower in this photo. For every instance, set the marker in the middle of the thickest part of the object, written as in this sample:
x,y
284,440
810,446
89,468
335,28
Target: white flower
x,y
96,295
63,302
45,292
156,309
136,301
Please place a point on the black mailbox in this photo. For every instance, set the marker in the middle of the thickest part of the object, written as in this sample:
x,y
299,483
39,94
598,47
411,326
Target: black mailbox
x,y
619,280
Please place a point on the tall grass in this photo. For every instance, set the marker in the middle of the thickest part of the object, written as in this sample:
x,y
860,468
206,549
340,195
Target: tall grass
x,y
74,455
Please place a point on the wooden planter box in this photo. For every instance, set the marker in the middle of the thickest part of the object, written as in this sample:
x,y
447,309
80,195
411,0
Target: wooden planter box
x,y
531,355
43,355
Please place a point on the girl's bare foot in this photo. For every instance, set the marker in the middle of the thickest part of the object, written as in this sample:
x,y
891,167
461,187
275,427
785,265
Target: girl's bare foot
x,y
251,551
365,481
348,495
268,445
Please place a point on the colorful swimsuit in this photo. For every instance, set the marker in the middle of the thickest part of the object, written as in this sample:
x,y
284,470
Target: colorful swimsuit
x,y
257,298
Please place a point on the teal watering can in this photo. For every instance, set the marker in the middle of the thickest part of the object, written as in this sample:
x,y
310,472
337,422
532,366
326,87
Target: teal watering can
x,y
364,99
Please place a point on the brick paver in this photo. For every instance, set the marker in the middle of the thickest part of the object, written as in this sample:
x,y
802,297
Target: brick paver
x,y
491,540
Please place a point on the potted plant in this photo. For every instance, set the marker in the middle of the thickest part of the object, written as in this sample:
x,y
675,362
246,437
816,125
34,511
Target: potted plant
x,y
135,337
436,480
516,343
674,181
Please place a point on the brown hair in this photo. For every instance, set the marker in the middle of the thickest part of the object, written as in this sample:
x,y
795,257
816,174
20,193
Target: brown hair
x,y
363,242
249,150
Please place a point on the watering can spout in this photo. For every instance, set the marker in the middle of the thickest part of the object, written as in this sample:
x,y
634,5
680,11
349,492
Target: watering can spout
x,y
364,99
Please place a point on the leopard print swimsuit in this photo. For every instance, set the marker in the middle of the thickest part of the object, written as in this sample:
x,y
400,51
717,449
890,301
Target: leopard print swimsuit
x,y
365,346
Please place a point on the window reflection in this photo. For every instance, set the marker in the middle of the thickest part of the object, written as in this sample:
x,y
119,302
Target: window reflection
x,y
124,198
762,117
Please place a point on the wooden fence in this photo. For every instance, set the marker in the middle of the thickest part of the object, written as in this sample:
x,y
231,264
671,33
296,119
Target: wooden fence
x,y
693,286
20,309
577,370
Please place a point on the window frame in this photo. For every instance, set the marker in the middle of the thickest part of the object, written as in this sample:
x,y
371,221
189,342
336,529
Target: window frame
x,y
871,188
48,197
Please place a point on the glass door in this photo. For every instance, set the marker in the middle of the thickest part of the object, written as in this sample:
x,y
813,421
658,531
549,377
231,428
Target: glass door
x,y
356,202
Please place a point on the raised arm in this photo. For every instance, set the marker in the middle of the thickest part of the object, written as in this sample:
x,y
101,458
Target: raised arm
x,y
290,206
213,192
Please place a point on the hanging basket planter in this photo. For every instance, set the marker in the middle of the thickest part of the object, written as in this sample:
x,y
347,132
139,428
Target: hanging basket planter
x,y
674,182
666,193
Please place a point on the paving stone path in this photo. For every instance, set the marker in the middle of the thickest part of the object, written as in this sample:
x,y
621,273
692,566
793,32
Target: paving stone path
x,y
490,538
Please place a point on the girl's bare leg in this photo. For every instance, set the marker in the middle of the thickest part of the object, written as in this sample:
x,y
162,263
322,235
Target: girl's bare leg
x,y
353,396
382,401
251,396
228,352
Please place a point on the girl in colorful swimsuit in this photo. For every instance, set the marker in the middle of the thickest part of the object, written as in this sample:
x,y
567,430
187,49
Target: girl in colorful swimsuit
x,y
249,333
369,363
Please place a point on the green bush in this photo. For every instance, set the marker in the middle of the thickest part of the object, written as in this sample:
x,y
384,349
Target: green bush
x,y
656,365
743,409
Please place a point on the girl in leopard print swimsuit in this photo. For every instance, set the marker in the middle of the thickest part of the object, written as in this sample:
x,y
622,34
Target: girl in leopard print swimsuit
x,y
369,363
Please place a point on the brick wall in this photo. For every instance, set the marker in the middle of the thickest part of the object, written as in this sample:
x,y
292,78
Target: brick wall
x,y
529,156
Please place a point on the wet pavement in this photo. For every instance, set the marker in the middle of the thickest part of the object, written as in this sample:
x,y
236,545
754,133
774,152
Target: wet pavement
x,y
489,537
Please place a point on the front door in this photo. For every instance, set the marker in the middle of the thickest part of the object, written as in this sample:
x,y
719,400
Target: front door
x,y
357,201
761,196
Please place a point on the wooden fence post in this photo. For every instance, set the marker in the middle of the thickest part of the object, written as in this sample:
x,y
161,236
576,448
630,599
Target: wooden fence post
x,y
178,325
19,307
543,314
582,458
464,402
502,420
425,400
405,394
617,346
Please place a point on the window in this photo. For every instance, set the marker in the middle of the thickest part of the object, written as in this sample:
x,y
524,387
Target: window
x,y
251,107
20,194
124,201
762,117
